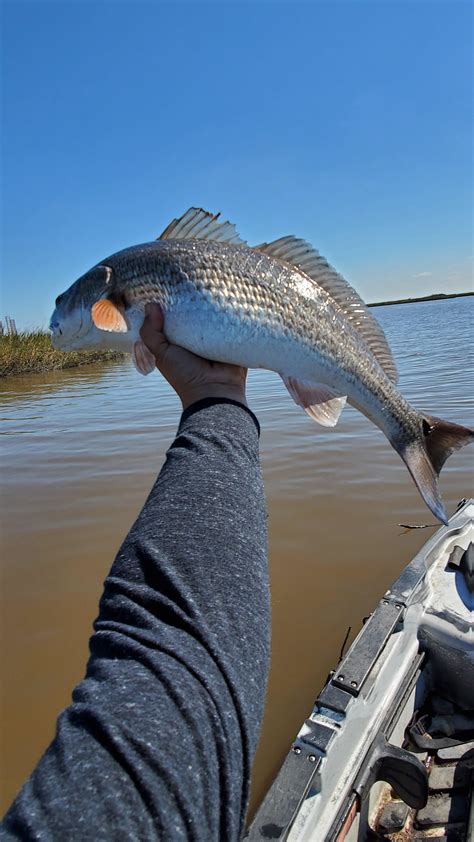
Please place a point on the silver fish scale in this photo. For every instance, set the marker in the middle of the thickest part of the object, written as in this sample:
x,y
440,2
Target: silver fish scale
x,y
245,285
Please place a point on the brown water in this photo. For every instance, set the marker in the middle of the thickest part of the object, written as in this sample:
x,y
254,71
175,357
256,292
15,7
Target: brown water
x,y
80,451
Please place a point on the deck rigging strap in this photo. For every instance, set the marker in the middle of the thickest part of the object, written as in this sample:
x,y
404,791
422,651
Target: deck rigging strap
x,y
430,733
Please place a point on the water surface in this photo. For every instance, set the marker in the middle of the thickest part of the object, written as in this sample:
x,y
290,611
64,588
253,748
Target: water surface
x,y
80,451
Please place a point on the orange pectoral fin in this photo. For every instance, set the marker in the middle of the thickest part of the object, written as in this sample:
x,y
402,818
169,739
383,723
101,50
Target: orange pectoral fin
x,y
108,316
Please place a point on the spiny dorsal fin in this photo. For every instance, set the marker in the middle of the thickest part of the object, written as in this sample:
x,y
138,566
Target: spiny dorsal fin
x,y
302,255
198,224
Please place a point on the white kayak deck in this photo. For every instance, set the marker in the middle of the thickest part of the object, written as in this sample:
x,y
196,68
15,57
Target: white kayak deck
x,y
417,646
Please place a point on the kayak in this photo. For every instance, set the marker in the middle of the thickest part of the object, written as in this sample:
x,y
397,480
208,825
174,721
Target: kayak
x,y
387,753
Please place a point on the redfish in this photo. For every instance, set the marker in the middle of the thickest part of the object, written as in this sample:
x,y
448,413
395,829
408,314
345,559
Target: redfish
x,y
277,305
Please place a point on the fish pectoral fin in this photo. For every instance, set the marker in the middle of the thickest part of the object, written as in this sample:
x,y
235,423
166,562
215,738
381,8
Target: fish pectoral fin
x,y
322,403
143,359
198,224
108,316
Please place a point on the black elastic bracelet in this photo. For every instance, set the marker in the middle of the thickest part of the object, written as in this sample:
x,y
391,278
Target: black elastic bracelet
x,y
205,402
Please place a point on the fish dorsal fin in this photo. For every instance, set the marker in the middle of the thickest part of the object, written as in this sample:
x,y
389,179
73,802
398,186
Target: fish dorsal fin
x,y
302,255
198,224
319,401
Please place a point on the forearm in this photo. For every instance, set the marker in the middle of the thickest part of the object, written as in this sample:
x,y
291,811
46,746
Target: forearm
x,y
159,740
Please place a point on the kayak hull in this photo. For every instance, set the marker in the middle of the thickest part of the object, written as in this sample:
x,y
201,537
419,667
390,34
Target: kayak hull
x,y
415,653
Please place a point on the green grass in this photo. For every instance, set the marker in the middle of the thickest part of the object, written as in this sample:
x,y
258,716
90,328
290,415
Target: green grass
x,y
32,351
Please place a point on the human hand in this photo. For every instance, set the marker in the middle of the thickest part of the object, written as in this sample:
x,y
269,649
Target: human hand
x,y
193,378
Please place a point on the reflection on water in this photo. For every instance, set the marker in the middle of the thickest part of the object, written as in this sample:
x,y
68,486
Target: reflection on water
x,y
80,451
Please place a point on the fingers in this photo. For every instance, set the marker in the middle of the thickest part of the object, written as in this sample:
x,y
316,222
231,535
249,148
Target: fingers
x,y
191,376
154,314
151,332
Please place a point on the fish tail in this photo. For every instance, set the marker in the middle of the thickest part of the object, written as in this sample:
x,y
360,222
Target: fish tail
x,y
426,456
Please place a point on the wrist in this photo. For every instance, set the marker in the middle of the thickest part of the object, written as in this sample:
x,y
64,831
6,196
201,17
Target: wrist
x,y
218,402
234,393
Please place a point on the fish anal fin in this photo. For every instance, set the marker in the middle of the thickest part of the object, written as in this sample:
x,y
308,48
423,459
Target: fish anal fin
x,y
143,359
319,401
307,259
198,224
109,316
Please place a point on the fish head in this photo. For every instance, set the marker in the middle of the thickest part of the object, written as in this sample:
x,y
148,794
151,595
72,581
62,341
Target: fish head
x,y
71,325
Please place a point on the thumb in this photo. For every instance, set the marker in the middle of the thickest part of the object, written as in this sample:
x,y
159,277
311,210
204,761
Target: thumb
x,y
152,331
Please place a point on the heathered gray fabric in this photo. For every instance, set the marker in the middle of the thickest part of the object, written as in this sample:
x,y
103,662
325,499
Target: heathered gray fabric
x,y
159,739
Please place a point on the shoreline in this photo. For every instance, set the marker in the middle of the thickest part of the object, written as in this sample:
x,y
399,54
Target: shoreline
x,y
32,353
438,296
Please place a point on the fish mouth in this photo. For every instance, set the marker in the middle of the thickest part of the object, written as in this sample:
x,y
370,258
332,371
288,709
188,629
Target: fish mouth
x,y
60,342
55,332
64,339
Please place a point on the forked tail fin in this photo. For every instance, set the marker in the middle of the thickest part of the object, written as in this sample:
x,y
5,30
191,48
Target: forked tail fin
x,y
442,438
425,457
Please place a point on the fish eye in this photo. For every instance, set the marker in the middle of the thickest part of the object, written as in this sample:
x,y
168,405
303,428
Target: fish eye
x,y
58,300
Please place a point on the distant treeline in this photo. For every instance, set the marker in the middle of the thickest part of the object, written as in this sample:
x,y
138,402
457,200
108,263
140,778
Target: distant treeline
x,y
436,297
32,351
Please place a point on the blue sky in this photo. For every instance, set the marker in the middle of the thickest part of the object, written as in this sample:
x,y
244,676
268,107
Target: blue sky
x,y
347,123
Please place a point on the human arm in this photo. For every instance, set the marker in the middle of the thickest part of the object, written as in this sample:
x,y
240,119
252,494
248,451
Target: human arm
x,y
159,739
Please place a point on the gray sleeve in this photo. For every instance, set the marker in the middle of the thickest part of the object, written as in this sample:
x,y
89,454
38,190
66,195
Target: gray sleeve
x,y
159,739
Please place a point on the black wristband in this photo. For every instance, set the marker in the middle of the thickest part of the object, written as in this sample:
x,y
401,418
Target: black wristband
x,y
205,402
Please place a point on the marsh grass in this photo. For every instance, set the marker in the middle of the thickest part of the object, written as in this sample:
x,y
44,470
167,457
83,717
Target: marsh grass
x,y
32,351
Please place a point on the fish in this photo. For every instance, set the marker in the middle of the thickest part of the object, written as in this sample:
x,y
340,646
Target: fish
x,y
277,305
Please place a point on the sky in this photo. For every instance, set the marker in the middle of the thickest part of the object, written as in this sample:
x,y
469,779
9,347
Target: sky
x,y
348,123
